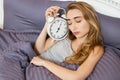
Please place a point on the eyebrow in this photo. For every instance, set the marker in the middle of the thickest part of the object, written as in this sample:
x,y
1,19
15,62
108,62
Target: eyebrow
x,y
75,18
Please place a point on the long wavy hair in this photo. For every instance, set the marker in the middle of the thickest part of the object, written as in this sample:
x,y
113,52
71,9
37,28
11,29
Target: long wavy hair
x,y
94,37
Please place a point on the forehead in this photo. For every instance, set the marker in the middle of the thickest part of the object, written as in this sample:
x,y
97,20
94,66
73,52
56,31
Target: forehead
x,y
73,13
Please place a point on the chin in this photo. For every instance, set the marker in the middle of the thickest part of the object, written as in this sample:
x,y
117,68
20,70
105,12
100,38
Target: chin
x,y
77,37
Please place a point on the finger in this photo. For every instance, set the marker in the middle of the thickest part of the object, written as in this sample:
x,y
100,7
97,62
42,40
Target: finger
x,y
55,10
55,7
49,13
52,11
31,61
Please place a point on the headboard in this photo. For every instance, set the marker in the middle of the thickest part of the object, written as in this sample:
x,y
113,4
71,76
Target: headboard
x,y
27,15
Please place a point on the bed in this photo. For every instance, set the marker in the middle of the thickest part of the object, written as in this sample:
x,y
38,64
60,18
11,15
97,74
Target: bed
x,y
24,20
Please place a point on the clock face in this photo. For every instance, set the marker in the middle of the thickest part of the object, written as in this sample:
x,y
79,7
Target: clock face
x,y
58,29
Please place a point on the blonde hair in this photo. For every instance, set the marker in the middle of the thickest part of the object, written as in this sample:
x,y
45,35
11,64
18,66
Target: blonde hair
x,y
94,37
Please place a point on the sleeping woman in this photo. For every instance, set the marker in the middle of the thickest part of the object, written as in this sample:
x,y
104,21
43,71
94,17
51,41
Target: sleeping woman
x,y
82,46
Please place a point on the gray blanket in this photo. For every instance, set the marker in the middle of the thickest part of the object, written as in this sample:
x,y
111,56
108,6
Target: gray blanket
x,y
16,51
108,68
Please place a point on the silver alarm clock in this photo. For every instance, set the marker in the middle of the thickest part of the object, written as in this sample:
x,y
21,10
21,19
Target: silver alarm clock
x,y
58,28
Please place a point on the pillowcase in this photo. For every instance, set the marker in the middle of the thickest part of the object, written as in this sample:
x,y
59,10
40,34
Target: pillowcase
x,y
110,27
24,15
27,15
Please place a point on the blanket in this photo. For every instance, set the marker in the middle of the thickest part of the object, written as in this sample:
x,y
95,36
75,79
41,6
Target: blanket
x,y
14,60
8,38
16,51
108,68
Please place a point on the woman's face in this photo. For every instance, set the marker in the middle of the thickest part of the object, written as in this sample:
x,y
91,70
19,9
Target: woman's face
x,y
77,24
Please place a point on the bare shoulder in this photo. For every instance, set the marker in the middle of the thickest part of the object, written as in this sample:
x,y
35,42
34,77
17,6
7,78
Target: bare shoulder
x,y
99,49
97,52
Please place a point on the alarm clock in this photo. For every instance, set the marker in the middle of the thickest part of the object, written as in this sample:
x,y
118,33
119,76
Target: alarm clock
x,y
57,28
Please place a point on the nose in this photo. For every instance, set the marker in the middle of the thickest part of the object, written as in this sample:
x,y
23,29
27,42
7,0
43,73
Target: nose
x,y
73,27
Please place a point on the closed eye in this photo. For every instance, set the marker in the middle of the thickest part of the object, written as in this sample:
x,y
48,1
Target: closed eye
x,y
78,21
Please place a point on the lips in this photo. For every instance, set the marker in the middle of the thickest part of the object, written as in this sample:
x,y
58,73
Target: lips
x,y
76,33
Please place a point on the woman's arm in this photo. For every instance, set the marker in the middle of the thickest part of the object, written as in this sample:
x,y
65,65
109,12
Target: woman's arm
x,y
41,40
42,43
80,74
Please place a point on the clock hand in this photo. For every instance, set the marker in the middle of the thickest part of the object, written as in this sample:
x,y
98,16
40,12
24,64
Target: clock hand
x,y
58,28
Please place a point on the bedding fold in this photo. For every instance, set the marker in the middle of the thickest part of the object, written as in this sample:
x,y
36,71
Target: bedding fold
x,y
108,68
14,60
16,51
8,38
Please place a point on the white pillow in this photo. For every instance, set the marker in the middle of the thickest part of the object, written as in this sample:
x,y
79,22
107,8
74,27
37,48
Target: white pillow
x,y
1,14
106,7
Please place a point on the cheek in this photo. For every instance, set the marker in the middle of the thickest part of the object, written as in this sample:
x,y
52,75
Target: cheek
x,y
84,27
87,28
69,27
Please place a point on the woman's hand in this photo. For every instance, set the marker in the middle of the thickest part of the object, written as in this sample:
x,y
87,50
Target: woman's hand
x,y
37,61
52,11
